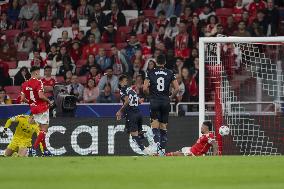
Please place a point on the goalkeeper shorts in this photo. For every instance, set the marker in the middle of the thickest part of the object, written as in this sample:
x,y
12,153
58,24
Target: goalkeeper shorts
x,y
17,143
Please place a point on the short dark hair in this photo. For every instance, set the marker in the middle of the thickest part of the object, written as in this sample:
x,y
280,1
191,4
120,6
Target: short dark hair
x,y
208,124
122,77
47,67
161,59
34,68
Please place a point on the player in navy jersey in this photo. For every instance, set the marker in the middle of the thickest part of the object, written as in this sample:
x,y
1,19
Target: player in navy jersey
x,y
130,110
157,84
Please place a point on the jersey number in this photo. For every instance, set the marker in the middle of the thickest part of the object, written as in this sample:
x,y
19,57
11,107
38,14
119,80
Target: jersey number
x,y
133,100
32,96
161,84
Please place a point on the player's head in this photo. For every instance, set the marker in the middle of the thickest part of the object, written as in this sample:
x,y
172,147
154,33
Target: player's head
x,y
35,72
123,81
161,60
206,127
31,119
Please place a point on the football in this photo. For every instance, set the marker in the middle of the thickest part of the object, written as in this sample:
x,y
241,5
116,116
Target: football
x,y
224,130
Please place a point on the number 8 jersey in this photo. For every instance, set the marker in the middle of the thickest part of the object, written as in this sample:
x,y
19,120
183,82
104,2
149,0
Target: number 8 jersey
x,y
160,81
31,89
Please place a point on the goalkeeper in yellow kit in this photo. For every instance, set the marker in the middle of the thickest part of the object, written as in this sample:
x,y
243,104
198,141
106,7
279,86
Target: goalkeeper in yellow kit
x,y
22,138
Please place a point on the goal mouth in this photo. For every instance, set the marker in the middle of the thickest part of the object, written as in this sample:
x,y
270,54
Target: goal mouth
x,y
245,81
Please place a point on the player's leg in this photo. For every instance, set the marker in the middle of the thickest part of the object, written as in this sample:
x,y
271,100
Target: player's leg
x,y
154,114
11,148
23,152
164,118
185,151
8,152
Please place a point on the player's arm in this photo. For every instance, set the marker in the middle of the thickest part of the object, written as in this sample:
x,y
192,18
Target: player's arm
x,y
8,124
176,89
119,112
43,97
146,86
215,147
23,98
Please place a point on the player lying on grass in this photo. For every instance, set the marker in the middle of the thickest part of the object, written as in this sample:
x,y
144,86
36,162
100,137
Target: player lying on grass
x,y
202,145
132,113
22,138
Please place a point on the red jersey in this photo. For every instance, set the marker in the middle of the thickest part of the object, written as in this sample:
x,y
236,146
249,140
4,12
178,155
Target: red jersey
x,y
237,13
254,7
202,145
89,49
30,89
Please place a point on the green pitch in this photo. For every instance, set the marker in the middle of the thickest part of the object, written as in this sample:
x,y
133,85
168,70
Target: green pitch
x,y
142,173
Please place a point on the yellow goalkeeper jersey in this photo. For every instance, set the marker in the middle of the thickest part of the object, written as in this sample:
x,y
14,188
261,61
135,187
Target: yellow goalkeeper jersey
x,y
24,130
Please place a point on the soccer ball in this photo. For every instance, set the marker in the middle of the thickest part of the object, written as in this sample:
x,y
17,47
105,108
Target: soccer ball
x,y
224,130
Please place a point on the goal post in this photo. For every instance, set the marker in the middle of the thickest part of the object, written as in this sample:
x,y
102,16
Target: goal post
x,y
219,59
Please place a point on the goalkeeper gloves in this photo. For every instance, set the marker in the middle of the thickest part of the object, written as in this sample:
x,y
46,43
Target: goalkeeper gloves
x,y
3,134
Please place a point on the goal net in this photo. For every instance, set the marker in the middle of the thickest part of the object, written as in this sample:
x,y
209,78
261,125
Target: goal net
x,y
244,80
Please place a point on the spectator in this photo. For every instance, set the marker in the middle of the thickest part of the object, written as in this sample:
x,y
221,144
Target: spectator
x,y
109,78
84,11
75,29
186,80
183,42
272,18
52,52
21,76
181,6
142,25
167,6
255,6
94,30
4,98
138,85
67,77
110,35
186,15
195,29
189,63
90,48
107,95
133,45
36,31
211,28
57,31
193,84
13,12
91,92
172,30
23,43
82,38
102,60
7,53
161,21
4,74
149,65
179,64
37,59
180,94
116,17
69,13
76,88
230,27
76,51
94,74
262,22
238,10
119,62
242,31
206,12
148,48
255,30
219,30
150,4
64,40
5,24
64,62
86,68
160,38
137,69
129,5
29,11
53,10
48,82
99,16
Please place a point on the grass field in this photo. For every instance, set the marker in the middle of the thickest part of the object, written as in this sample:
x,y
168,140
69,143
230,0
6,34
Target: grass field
x,y
142,173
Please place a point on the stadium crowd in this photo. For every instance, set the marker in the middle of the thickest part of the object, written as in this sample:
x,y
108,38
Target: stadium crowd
x,y
87,44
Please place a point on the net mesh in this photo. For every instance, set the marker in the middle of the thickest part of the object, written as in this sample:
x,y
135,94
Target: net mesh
x,y
245,81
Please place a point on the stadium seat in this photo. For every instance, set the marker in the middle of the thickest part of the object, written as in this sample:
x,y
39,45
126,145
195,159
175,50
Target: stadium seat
x,y
80,62
141,38
11,64
67,23
10,34
106,46
108,53
132,22
45,24
149,13
59,79
22,56
124,29
13,91
121,45
24,63
224,12
130,14
13,72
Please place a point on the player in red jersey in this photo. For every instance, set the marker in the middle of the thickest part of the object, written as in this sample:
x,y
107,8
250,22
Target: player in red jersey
x,y
202,145
33,94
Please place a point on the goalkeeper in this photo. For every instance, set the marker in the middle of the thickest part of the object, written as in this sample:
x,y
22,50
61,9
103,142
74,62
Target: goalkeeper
x,y
22,138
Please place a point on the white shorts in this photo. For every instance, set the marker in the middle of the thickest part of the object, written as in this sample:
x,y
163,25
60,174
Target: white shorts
x,y
187,151
42,118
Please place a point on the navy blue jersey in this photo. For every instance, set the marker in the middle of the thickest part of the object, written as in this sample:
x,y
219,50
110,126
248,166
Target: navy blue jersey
x,y
160,82
133,99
